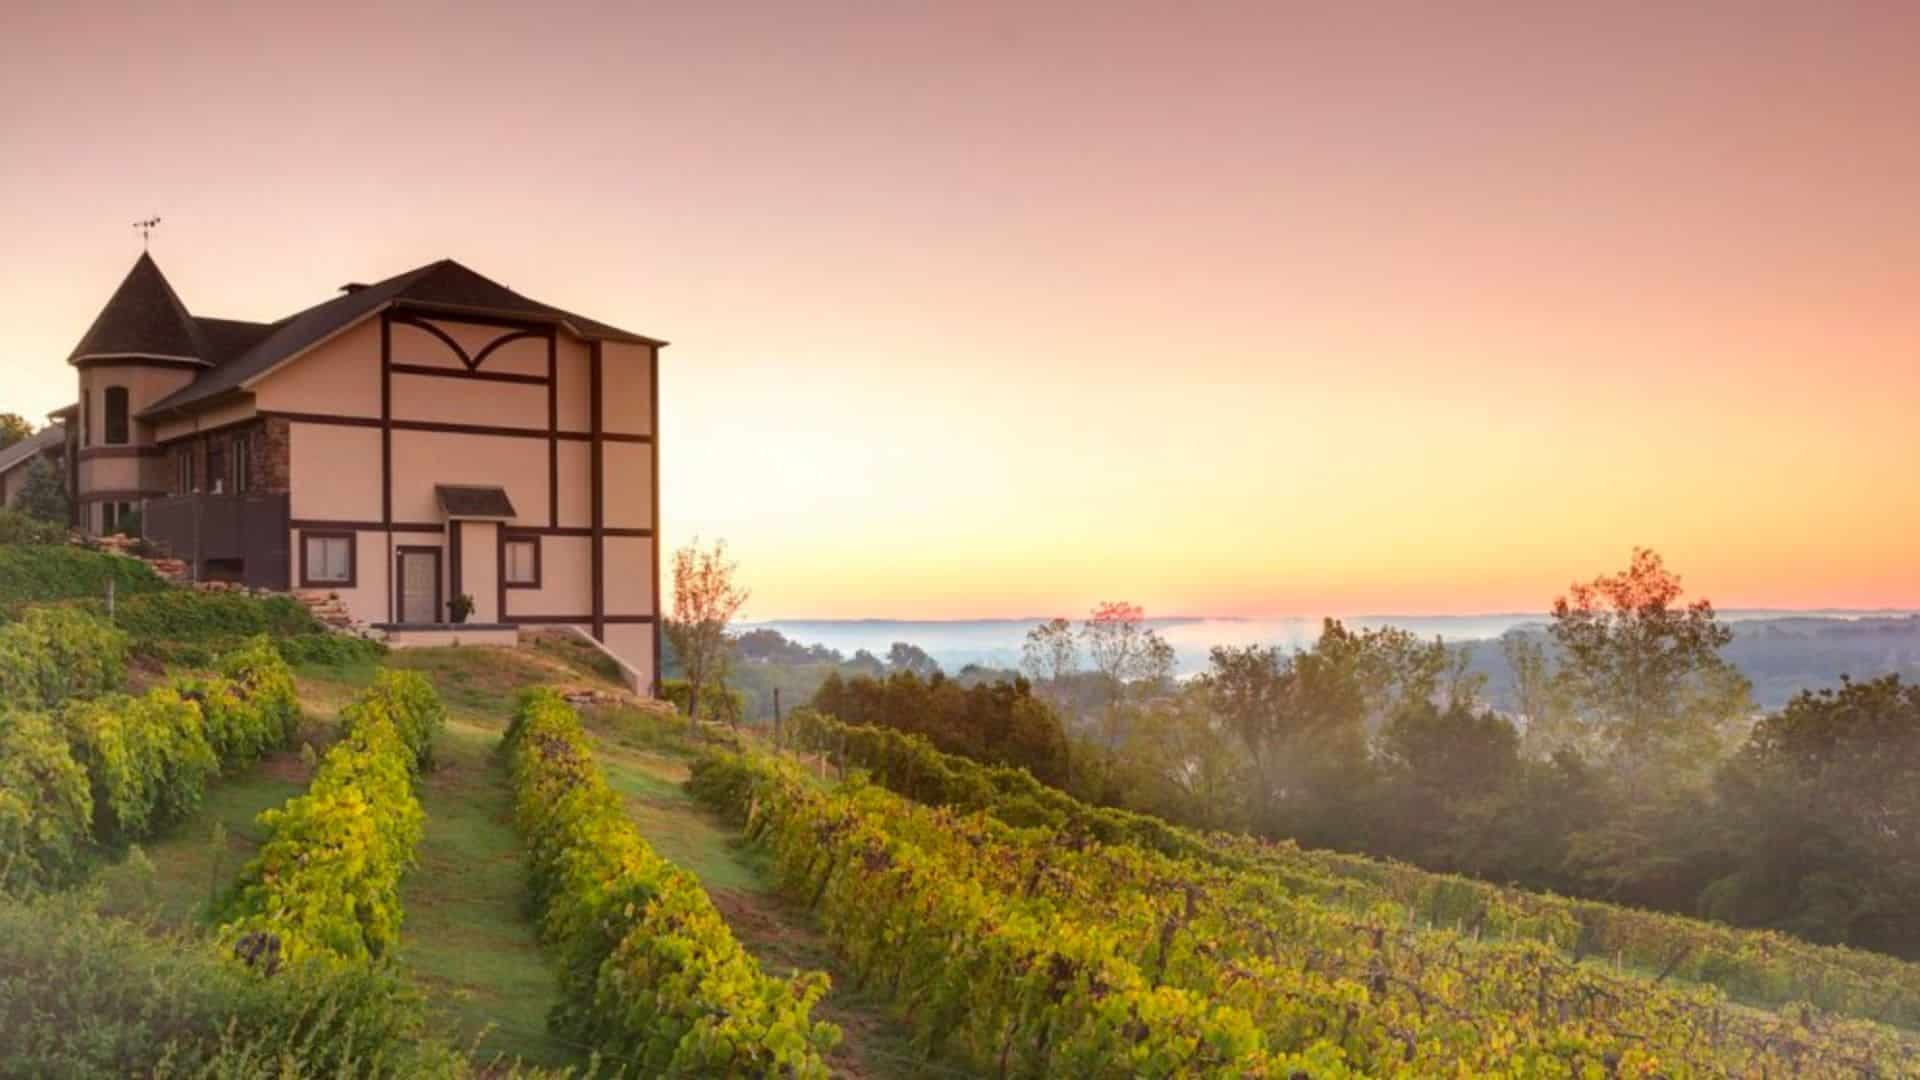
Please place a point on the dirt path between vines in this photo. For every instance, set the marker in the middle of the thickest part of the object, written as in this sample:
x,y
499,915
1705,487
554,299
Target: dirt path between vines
x,y
781,935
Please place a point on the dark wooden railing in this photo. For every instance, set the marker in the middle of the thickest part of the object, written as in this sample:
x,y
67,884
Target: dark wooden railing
x,y
243,537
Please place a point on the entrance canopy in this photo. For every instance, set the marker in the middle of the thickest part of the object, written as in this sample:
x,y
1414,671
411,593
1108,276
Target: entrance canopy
x,y
463,502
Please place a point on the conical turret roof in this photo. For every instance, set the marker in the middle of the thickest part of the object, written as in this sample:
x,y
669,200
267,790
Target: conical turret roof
x,y
143,319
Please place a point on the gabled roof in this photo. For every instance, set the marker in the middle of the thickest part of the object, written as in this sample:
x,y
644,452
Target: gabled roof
x,y
32,446
444,286
473,501
144,318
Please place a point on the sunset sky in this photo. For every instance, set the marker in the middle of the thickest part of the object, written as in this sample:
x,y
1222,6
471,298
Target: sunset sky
x,y
1004,309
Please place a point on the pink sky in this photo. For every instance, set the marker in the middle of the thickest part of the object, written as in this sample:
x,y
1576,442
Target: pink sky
x,y
983,309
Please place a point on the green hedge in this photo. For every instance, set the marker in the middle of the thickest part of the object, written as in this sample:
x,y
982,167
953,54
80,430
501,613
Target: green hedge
x,y
418,714
83,995
147,759
18,528
325,888
35,573
46,809
250,706
650,973
52,654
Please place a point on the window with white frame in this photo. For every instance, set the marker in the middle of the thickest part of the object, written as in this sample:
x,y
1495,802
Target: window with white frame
x,y
522,559
326,559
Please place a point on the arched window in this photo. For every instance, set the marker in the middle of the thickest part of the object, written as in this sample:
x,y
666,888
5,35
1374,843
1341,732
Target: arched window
x,y
116,419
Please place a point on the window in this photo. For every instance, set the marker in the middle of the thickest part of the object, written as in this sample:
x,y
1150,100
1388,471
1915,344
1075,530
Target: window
x,y
326,558
520,558
86,430
183,471
116,405
216,467
242,464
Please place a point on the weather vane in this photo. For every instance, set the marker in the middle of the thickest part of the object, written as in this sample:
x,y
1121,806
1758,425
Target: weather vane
x,y
146,229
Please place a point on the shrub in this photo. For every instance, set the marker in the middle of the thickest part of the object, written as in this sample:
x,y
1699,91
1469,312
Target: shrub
x,y
37,574
214,619
20,528
53,654
325,888
716,703
649,971
45,807
264,682
147,760
84,995
327,649
413,706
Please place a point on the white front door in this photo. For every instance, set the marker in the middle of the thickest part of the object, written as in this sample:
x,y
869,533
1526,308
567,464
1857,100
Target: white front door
x,y
420,585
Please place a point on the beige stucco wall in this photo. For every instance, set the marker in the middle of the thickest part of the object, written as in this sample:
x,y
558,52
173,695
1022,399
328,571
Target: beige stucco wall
x,y
628,503
633,643
629,575
210,418
625,405
576,493
422,459
111,474
522,356
367,599
340,376
566,580
334,472
572,365
145,385
480,568
441,400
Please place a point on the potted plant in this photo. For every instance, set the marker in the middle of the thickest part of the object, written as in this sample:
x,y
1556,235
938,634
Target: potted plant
x,y
461,607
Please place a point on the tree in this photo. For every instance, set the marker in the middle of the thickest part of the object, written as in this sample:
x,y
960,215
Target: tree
x,y
1646,673
1050,653
902,656
705,601
1124,648
1821,819
1541,700
13,428
43,495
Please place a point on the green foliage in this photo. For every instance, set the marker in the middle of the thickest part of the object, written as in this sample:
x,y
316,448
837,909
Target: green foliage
x,y
650,973
83,995
52,654
330,650
37,574
147,759
1028,952
413,706
13,428
44,495
716,701
1002,722
249,707
325,887
20,527
210,620
46,808
1752,966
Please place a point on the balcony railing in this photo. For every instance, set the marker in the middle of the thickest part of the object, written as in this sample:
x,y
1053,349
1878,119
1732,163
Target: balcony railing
x,y
238,537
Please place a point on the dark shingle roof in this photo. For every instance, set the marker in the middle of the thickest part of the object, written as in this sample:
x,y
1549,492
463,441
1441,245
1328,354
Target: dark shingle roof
x,y
143,318
469,501
32,446
445,285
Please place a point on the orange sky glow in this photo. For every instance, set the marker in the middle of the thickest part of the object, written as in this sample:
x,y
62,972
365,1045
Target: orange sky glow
x,y
1004,309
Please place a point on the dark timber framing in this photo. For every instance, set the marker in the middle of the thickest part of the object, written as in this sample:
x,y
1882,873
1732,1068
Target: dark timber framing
x,y
553,435
386,458
388,423
653,522
597,470
463,373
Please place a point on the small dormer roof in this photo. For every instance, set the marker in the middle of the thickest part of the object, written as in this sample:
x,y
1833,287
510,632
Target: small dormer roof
x,y
144,320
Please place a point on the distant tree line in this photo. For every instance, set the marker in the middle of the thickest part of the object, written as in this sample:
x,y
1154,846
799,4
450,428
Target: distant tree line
x,y
1634,766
